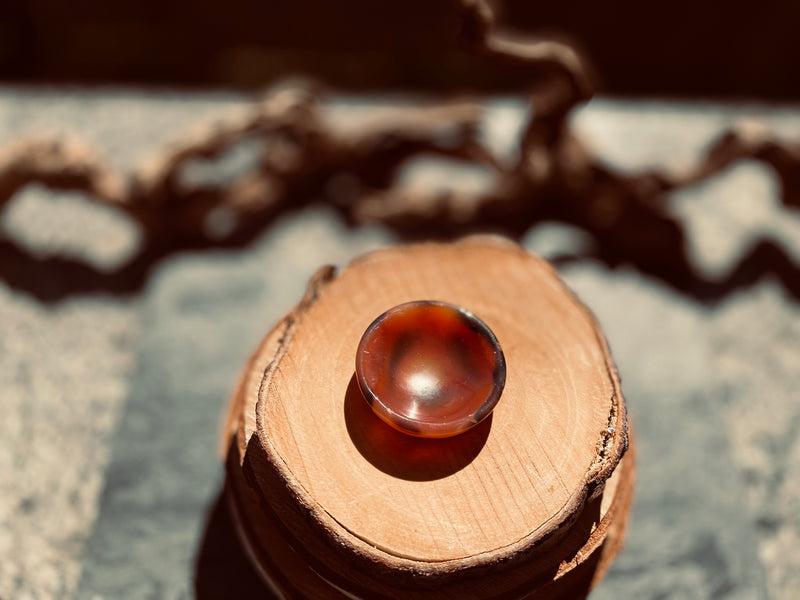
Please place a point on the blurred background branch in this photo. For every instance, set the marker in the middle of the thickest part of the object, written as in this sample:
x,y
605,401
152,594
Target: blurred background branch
x,y
298,157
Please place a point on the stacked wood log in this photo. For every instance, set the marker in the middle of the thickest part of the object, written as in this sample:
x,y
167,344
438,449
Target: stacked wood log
x,y
332,503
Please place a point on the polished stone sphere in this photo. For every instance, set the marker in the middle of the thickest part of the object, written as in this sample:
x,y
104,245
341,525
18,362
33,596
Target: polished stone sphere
x,y
430,369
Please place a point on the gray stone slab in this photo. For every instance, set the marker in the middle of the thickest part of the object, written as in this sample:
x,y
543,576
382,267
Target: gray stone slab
x,y
63,380
691,536
756,349
143,382
65,369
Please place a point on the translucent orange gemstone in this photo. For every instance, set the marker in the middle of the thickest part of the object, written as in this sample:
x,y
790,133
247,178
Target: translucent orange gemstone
x,y
430,369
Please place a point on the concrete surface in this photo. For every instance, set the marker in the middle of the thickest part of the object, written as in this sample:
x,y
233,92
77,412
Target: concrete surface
x,y
111,407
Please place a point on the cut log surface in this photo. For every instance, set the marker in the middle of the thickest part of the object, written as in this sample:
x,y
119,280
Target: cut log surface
x,y
334,503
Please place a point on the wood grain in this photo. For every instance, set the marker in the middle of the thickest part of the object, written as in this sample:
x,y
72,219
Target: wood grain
x,y
513,505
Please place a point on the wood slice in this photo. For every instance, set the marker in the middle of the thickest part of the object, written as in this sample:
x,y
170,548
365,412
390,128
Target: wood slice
x,y
330,500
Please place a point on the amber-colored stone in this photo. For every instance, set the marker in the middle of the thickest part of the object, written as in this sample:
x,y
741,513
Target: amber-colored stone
x,y
430,369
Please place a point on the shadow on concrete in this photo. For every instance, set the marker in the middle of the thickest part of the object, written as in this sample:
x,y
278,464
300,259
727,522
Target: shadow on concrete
x,y
222,569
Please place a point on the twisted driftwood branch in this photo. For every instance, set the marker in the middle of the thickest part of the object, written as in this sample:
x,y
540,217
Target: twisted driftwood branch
x,y
302,159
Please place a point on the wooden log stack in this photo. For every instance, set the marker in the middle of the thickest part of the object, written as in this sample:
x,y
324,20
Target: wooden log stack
x,y
332,503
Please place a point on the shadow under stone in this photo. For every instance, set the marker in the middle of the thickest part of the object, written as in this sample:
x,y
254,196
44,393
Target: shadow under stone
x,y
404,456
